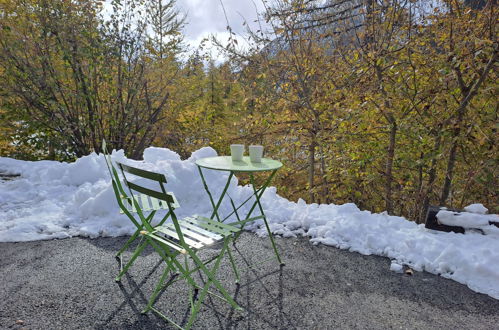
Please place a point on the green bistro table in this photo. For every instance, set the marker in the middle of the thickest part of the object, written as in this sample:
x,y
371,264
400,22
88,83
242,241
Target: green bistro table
x,y
225,163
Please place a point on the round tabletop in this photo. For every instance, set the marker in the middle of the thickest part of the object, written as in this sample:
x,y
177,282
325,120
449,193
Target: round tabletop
x,y
225,163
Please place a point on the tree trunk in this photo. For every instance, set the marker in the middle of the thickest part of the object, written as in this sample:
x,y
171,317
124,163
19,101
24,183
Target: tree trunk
x,y
325,184
390,151
51,155
432,175
311,166
418,191
390,155
450,169
468,94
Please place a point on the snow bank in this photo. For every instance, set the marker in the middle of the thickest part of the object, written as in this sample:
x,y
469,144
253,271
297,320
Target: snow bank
x,y
58,200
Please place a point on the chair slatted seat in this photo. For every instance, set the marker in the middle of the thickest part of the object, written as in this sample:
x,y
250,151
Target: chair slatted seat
x,y
196,236
213,225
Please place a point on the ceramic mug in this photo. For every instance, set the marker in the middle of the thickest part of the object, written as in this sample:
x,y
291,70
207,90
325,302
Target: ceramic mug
x,y
256,154
237,151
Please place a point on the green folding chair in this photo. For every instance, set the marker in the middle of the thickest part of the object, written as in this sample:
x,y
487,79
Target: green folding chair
x,y
127,207
182,237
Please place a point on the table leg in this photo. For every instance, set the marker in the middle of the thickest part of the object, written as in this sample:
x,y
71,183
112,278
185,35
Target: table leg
x,y
257,202
215,207
257,193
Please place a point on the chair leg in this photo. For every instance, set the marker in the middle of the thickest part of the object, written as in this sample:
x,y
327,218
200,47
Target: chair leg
x,y
211,276
127,244
137,252
158,289
134,236
211,280
164,219
233,264
130,240
173,264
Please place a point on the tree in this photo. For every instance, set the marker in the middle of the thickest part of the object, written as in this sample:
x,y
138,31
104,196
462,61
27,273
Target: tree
x,y
471,57
82,78
166,23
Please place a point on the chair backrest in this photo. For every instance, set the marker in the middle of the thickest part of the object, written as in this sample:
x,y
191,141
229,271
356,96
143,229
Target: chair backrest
x,y
117,186
119,192
152,178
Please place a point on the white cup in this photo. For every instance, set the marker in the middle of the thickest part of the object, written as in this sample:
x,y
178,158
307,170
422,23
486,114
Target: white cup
x,y
237,151
256,153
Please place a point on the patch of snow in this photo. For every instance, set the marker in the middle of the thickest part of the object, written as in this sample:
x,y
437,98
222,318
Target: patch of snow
x,y
476,208
154,155
466,219
396,267
57,200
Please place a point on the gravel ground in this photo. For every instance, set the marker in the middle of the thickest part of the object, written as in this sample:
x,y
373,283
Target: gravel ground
x,y
69,284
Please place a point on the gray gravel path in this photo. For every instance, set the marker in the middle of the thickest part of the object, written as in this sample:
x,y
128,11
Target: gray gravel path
x,y
69,284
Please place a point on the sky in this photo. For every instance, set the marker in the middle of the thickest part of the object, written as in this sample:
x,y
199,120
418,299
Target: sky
x,y
206,17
